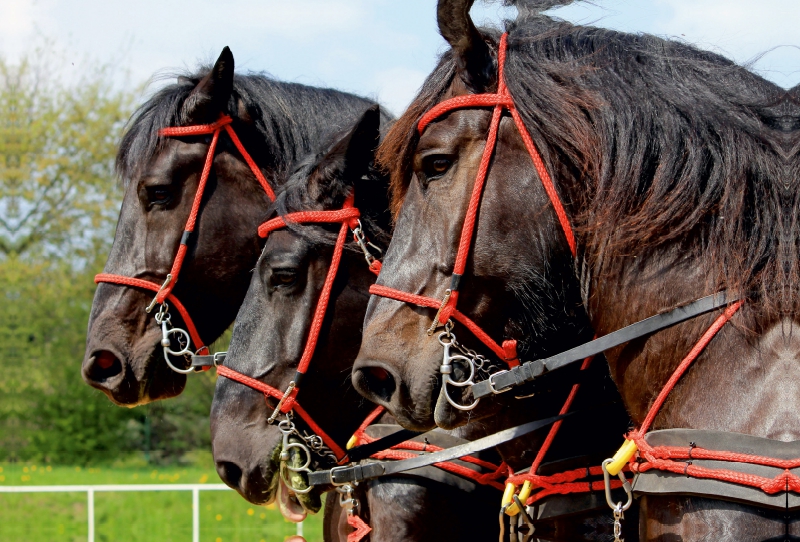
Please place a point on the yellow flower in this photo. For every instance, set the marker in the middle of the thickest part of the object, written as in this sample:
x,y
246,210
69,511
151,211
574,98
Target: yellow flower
x,y
2,478
219,517
262,515
204,479
24,469
219,539
250,512
48,469
33,468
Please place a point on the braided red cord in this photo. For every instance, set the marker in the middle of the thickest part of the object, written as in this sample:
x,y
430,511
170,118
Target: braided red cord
x,y
360,433
500,101
662,457
250,162
166,292
422,301
346,214
147,285
687,361
465,472
563,483
361,528
195,129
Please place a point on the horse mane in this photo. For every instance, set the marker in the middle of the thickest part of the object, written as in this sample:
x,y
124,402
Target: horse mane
x,y
371,199
287,118
655,141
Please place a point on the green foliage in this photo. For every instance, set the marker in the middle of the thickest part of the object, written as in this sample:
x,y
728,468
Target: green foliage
x,y
59,201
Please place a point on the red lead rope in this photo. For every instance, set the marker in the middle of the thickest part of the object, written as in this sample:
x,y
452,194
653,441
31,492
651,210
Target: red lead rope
x,y
500,101
164,291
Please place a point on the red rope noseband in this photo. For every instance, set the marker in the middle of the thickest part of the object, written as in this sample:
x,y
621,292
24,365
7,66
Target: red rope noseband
x,y
164,291
501,101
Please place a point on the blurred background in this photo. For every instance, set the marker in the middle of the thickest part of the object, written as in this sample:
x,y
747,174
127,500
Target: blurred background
x,y
71,74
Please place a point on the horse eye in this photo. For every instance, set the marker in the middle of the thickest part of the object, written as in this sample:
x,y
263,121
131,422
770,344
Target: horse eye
x,y
435,166
282,277
159,195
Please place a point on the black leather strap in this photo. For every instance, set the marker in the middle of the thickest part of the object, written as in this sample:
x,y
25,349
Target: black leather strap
x,y
364,451
529,371
375,469
200,362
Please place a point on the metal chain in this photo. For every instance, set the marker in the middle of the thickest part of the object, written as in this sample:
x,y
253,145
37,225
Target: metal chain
x,y
618,517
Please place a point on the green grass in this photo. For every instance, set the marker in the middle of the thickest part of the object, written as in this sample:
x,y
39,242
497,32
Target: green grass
x,y
133,517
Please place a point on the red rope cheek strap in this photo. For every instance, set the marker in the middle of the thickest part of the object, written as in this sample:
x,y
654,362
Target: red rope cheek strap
x,y
501,101
164,291
348,217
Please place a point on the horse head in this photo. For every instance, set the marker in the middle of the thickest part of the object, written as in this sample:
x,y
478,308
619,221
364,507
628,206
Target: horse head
x,y
300,311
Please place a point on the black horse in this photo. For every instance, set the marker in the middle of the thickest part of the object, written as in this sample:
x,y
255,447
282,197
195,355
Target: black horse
x,y
270,338
673,184
277,123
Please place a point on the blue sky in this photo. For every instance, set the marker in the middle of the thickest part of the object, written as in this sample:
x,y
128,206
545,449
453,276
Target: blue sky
x,y
380,48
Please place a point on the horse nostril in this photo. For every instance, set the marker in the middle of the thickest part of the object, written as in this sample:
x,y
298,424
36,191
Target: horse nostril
x,y
230,473
378,381
103,366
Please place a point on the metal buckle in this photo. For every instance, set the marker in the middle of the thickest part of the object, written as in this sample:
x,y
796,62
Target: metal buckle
x,y
219,357
333,475
491,383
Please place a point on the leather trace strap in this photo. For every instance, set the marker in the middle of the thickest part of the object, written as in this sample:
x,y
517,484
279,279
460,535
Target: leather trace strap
x,y
376,469
348,217
500,101
529,371
164,290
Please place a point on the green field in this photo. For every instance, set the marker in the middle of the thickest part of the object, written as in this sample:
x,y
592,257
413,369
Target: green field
x,y
134,517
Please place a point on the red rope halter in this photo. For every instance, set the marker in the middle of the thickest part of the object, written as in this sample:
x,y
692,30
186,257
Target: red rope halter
x,y
501,101
164,290
348,217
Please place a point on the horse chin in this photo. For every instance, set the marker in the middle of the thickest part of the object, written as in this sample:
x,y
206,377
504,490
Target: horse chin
x,y
445,415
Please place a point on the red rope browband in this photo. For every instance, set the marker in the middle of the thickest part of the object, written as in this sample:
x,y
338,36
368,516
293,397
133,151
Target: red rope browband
x,y
501,101
164,290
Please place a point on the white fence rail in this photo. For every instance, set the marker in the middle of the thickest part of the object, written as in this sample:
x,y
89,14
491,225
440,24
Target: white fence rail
x,y
107,488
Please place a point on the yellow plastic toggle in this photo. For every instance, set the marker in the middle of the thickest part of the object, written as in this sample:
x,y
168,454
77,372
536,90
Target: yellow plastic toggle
x,y
524,493
352,442
508,495
622,457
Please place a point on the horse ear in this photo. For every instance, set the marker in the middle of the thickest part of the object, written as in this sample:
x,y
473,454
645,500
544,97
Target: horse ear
x,y
472,53
210,97
349,158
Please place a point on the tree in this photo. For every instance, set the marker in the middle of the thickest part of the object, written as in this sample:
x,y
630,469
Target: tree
x,y
58,205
